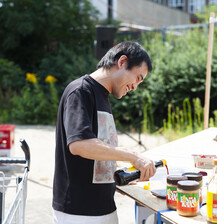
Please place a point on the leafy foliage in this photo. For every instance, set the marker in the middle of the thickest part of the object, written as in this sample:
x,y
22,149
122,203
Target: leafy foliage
x,y
181,123
205,15
66,66
179,72
30,30
11,82
32,106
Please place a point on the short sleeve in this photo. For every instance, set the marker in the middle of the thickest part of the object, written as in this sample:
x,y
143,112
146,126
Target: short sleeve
x,y
78,116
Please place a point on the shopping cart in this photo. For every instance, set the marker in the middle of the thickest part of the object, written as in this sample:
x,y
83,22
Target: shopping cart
x,y
16,211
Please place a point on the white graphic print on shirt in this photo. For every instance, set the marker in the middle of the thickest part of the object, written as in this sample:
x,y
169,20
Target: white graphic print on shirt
x,y
104,170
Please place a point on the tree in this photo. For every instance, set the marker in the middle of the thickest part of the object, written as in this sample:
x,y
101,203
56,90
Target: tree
x,y
204,16
30,30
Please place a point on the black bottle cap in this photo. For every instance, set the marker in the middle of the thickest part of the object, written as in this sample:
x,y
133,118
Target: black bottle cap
x,y
173,179
188,185
193,176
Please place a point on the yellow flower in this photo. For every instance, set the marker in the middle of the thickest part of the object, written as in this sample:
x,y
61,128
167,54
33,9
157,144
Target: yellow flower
x,y
50,79
31,77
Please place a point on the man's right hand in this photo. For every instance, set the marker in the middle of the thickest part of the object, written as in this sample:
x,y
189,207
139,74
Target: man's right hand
x,y
146,168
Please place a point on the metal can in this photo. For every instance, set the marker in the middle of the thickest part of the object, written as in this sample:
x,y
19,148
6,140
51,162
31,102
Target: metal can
x,y
188,197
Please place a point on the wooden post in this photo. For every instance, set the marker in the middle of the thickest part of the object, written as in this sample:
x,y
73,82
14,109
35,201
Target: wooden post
x,y
208,72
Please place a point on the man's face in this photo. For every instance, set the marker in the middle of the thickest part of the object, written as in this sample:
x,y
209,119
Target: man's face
x,y
129,79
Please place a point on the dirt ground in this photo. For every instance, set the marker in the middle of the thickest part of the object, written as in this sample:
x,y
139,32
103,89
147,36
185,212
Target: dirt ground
x,y
41,140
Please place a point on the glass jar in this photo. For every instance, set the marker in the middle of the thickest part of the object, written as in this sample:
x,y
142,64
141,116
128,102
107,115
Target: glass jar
x,y
171,197
197,177
188,197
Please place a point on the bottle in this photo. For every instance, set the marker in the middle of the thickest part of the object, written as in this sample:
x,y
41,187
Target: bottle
x,y
212,196
125,175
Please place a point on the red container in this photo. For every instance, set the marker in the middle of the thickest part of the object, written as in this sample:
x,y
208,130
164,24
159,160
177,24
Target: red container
x,y
6,136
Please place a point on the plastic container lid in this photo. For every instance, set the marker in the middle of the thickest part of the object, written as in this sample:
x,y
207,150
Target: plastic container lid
x,y
188,185
193,176
173,179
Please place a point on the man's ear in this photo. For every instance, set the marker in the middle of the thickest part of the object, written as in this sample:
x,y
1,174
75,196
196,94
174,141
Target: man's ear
x,y
122,61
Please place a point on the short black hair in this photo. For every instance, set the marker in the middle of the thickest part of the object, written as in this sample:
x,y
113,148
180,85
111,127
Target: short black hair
x,y
135,53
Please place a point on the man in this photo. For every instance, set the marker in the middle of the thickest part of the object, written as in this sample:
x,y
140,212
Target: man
x,y
86,139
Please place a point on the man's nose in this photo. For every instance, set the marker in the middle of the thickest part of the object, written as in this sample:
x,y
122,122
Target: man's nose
x,y
134,86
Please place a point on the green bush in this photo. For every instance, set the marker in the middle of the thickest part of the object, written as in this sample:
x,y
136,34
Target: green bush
x,y
32,106
181,123
11,83
32,103
66,66
127,109
179,72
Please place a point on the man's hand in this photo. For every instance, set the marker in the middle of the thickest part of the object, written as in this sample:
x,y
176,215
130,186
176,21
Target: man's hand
x,y
146,168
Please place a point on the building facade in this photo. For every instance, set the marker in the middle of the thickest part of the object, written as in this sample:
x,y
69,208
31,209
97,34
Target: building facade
x,y
141,12
189,6
152,13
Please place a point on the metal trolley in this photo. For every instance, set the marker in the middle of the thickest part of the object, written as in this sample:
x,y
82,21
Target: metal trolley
x,y
16,209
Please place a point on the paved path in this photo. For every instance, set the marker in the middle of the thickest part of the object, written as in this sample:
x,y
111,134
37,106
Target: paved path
x,y
41,140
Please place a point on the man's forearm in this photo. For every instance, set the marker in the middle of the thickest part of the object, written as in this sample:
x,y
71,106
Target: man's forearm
x,y
97,150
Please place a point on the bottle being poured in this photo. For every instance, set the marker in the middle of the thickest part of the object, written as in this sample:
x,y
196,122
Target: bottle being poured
x,y
126,175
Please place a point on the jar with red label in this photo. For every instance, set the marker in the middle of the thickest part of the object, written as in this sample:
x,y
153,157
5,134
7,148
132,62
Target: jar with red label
x,y
188,197
171,197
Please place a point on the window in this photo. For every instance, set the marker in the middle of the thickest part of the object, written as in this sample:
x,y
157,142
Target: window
x,y
162,2
179,4
214,2
196,5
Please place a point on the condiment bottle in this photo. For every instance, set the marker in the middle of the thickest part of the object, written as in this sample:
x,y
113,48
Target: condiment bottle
x,y
125,175
171,197
188,197
197,177
212,196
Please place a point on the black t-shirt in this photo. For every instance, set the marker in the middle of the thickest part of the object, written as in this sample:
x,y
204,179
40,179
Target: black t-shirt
x,y
83,186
